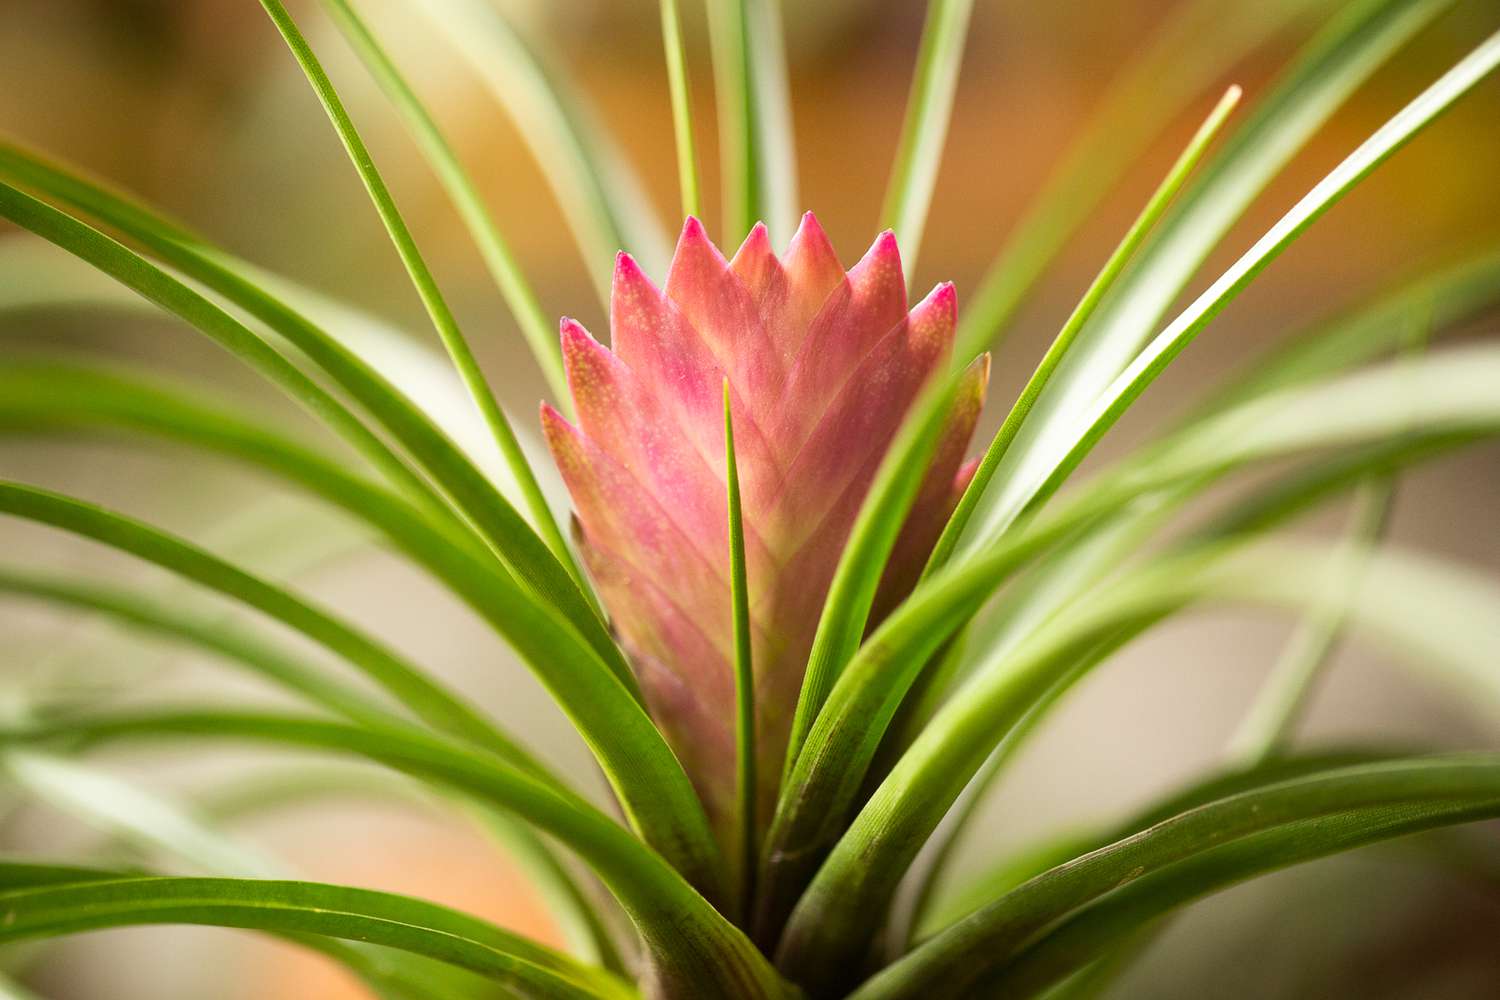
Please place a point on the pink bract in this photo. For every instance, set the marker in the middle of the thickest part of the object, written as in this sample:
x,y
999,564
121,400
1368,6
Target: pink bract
x,y
822,365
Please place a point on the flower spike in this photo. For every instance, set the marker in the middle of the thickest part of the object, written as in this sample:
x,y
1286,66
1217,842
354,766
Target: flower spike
x,y
820,367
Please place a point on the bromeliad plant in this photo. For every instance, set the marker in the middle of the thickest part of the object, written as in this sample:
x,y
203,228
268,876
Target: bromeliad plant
x,y
803,634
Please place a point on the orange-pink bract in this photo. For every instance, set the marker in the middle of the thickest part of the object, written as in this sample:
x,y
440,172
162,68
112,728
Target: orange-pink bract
x,y
822,365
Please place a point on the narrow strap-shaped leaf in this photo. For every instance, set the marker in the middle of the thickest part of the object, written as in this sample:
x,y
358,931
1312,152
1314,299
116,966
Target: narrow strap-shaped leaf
x,y
754,118
386,977
933,773
131,814
1358,40
682,108
860,705
1060,920
745,787
853,589
655,791
604,202
227,640
491,515
979,891
851,593
1450,297
408,684
442,317
135,273
270,790
285,907
929,107
1447,297
1280,702
1196,42
1264,732
1156,206
477,218
1154,359
929,911
689,942
576,915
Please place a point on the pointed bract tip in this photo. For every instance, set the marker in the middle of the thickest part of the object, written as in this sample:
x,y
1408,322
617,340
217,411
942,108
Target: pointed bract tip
x,y
552,419
942,300
810,229
692,228
629,276
757,243
883,252
569,327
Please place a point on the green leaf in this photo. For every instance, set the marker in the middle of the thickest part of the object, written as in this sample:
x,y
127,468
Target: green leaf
x,y
1343,55
846,610
270,790
688,941
604,202
301,908
929,107
635,758
442,317
755,128
1445,299
682,107
1156,206
1061,920
746,789
656,793
484,507
407,683
154,284
392,975
493,247
134,816
126,812
1278,706
905,810
978,891
1195,43
228,640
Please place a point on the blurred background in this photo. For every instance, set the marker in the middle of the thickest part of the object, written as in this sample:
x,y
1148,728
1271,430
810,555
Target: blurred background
x,y
197,106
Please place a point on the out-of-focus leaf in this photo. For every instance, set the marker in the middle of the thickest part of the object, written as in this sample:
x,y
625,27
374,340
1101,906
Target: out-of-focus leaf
x,y
426,286
929,107
493,247
485,509
1197,42
755,124
1353,46
299,908
902,813
682,107
847,606
1061,920
604,202
689,942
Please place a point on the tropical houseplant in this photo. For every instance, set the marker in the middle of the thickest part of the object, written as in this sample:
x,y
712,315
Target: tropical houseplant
x,y
800,630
